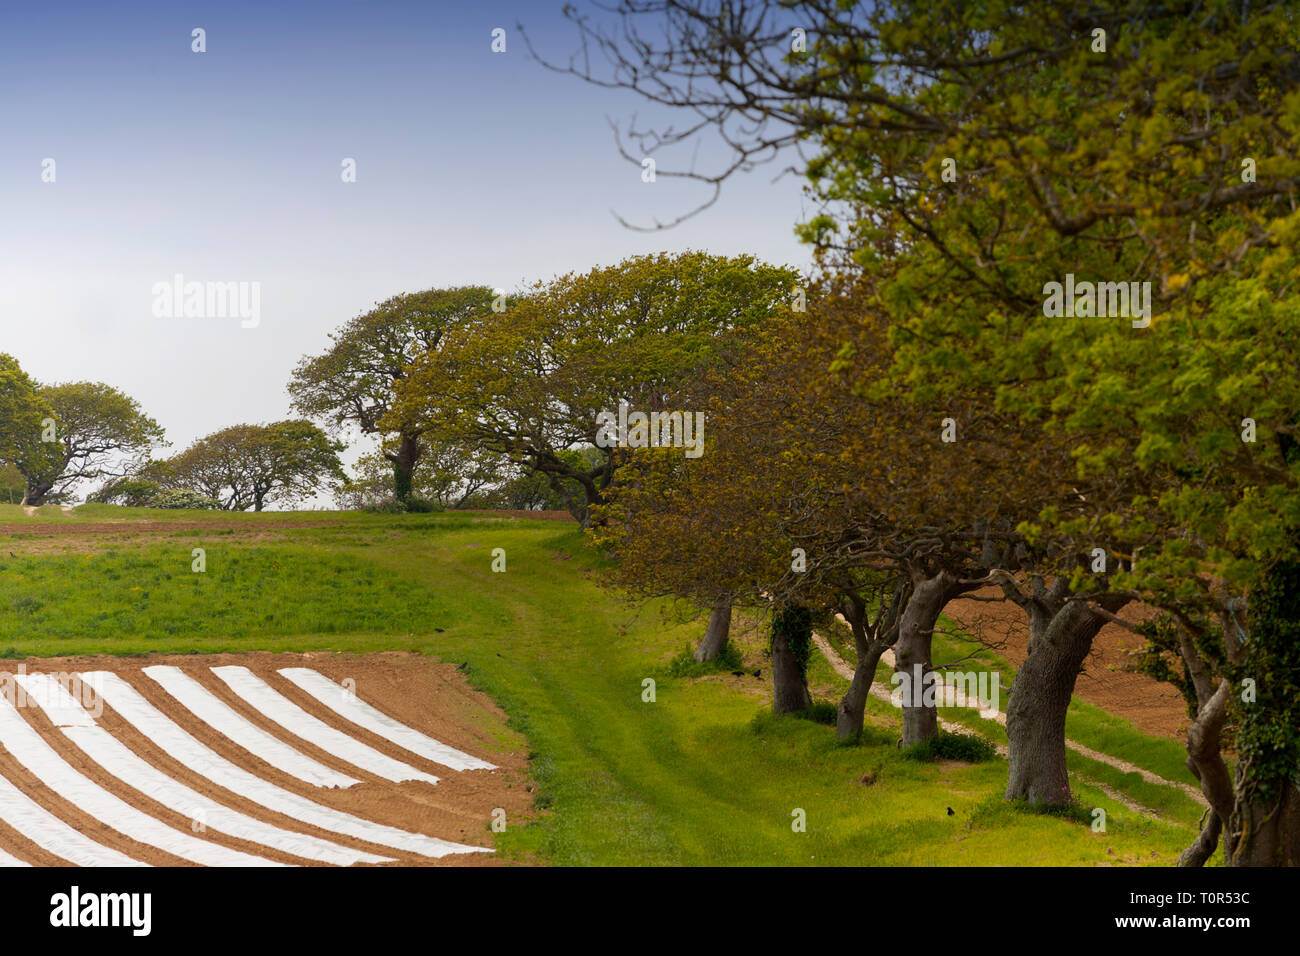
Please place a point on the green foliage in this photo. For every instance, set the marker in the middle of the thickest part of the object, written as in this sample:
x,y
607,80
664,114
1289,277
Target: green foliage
x,y
22,410
1072,810
527,383
250,466
822,712
180,498
352,383
132,492
446,475
1268,742
1160,658
952,746
95,427
12,484
685,665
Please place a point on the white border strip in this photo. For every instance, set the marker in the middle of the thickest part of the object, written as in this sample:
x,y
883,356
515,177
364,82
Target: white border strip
x,y
31,750
274,705
110,753
347,704
215,712
200,758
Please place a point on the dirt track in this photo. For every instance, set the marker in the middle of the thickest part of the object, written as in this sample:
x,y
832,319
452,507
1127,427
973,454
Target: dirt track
x,y
73,529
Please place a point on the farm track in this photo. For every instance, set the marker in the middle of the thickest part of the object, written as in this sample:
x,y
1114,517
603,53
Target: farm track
x,y
845,670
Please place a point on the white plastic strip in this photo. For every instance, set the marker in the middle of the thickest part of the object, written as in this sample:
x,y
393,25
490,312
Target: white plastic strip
x,y
46,830
347,704
31,750
115,757
185,749
267,700
7,860
215,712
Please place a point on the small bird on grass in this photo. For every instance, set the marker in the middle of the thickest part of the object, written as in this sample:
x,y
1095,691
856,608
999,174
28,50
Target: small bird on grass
x,y
950,813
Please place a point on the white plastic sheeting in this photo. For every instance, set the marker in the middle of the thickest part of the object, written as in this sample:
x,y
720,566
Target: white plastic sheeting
x,y
185,749
30,749
46,830
7,860
347,704
270,702
111,754
215,712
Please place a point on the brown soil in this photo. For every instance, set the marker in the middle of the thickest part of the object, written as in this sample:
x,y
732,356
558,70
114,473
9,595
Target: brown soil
x,y
1151,706
422,693
77,528
70,529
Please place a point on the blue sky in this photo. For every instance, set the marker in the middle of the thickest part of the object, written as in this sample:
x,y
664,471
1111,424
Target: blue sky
x,y
472,167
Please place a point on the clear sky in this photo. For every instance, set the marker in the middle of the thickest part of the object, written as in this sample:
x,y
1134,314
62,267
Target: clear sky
x,y
473,167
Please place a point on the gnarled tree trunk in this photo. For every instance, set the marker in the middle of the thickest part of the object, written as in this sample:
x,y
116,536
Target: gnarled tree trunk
x,y
1205,754
852,710
1060,637
871,638
912,651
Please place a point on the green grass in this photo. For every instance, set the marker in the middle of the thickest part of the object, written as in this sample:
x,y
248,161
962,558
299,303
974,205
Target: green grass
x,y
1084,723
138,598
701,775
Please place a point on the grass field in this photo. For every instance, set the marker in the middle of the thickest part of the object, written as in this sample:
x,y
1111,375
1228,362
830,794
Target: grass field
x,y
702,775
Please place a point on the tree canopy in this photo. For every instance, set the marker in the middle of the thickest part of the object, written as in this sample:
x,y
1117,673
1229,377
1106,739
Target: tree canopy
x,y
251,466
528,383
352,383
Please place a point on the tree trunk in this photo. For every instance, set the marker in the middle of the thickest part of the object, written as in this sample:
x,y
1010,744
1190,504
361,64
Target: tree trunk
x,y
1205,759
1264,829
408,453
1040,698
851,714
35,493
915,632
715,637
789,686
1204,845
1267,834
